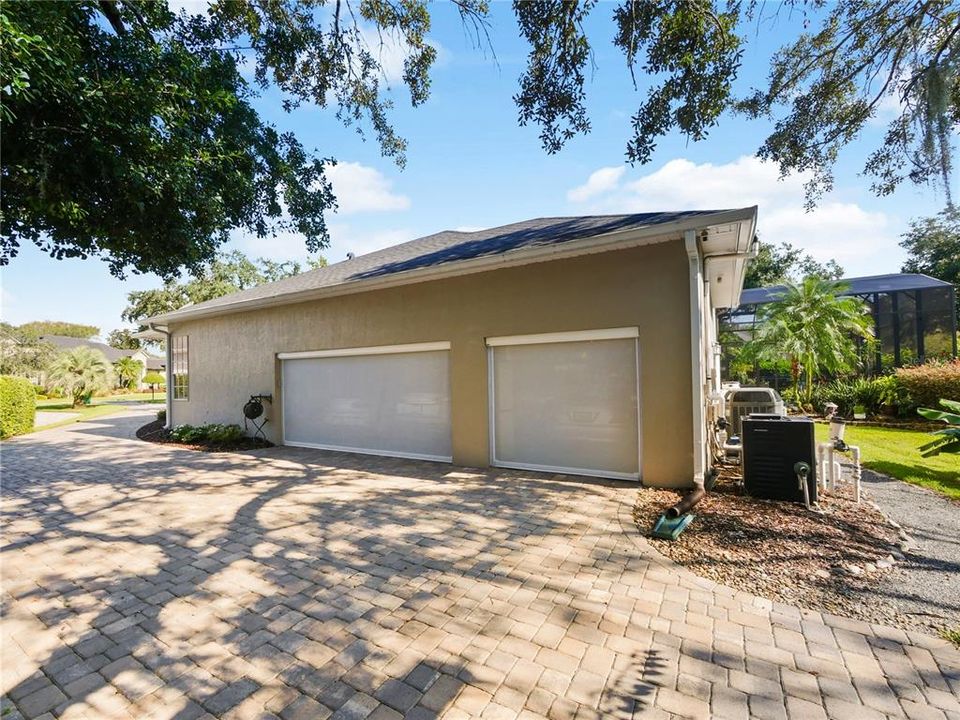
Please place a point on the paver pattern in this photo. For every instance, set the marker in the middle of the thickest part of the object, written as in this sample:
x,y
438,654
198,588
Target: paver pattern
x,y
143,581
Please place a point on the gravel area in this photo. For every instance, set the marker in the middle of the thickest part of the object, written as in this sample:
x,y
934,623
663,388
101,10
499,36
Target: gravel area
x,y
925,587
836,560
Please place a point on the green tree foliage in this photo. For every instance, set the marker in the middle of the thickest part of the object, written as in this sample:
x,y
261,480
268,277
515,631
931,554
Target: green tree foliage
x,y
128,370
80,372
836,76
154,380
123,339
39,328
228,273
159,185
933,245
777,264
18,406
128,131
813,328
23,354
853,59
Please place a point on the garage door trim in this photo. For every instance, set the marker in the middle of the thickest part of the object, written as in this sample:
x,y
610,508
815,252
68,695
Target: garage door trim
x,y
351,352
373,350
575,336
492,343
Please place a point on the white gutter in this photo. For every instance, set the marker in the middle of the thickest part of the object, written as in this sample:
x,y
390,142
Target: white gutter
x,y
169,371
696,357
699,299
601,243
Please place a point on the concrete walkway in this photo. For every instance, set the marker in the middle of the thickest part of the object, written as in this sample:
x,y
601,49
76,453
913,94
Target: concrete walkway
x,y
144,581
50,417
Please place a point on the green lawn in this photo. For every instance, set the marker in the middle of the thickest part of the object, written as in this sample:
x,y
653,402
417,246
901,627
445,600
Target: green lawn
x,y
894,452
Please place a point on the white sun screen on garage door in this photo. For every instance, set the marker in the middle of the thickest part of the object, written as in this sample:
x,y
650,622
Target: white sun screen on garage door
x,y
567,406
394,403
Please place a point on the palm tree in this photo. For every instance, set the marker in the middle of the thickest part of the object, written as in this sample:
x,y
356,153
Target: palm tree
x,y
128,371
81,372
813,328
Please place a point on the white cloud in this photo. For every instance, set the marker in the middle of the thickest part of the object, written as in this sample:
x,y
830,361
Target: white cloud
x,y
363,189
192,7
469,228
600,181
863,241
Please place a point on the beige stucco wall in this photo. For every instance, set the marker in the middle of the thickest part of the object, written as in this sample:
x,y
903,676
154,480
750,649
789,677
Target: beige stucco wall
x,y
234,356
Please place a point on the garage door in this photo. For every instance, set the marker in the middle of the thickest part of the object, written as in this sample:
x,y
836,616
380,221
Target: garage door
x,y
566,402
383,401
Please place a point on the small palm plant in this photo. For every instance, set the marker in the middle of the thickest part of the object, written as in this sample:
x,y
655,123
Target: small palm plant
x,y
949,440
812,327
128,370
80,372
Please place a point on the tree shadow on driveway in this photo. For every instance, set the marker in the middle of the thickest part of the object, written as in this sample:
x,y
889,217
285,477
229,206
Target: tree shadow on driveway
x,y
163,582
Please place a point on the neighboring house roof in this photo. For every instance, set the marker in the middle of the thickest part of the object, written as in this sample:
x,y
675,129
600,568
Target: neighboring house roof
x,y
112,354
452,252
857,286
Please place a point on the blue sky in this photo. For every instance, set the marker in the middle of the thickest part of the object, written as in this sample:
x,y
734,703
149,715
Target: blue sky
x,y
471,166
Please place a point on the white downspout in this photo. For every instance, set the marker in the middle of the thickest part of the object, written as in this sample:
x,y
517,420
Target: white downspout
x,y
169,372
696,357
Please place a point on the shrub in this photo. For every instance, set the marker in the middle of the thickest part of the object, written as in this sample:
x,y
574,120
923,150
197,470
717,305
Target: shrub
x,y
926,384
867,393
840,392
162,415
213,433
189,433
18,408
875,395
224,433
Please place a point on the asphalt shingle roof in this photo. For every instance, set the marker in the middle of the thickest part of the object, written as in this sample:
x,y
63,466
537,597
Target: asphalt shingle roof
x,y
447,247
65,342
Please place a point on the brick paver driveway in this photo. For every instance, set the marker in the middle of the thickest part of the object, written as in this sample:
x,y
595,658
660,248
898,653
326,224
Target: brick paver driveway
x,y
151,582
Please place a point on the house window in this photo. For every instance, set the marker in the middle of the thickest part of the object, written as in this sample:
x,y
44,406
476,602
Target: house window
x,y
181,368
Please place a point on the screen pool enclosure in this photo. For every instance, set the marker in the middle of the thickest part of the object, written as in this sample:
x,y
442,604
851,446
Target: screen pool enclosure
x,y
914,317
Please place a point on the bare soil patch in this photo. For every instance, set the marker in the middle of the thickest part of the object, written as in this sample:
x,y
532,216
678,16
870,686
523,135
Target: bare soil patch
x,y
156,433
829,560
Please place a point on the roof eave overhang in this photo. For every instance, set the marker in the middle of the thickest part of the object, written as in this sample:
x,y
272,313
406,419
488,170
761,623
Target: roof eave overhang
x,y
619,240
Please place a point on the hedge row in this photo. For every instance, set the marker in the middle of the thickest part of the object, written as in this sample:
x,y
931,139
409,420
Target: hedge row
x,y
902,393
17,406
927,384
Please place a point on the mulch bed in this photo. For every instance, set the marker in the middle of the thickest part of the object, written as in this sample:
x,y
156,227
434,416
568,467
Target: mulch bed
x,y
155,432
825,561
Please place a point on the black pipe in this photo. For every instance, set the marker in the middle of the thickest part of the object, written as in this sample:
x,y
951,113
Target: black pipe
x,y
685,505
